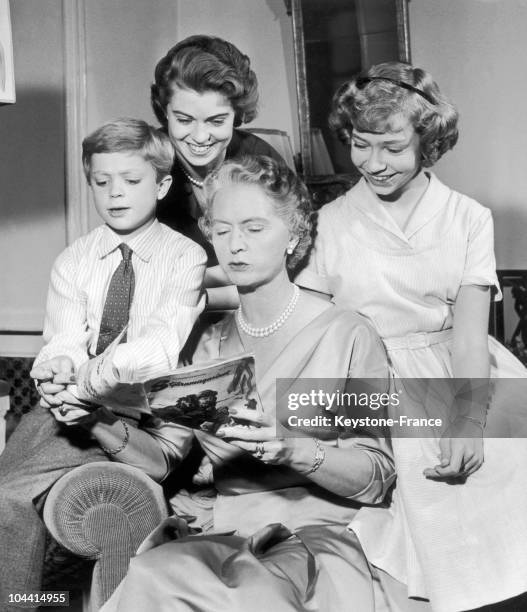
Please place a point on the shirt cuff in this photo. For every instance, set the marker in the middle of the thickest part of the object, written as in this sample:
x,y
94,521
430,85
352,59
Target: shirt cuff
x,y
77,356
124,364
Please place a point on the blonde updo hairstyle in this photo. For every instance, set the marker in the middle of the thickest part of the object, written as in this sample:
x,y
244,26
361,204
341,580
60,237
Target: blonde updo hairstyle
x,y
396,89
287,193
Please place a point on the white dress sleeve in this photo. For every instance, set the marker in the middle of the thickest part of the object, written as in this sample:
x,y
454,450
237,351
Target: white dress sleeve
x,y
480,263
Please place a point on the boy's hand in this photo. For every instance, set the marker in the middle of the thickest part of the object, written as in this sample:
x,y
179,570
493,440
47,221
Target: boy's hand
x,y
70,415
74,415
44,374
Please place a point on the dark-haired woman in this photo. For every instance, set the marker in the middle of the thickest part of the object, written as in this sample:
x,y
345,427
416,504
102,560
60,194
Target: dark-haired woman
x,y
204,90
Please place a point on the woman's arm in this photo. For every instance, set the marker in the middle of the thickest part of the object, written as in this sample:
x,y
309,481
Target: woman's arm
x,y
128,444
355,468
470,349
134,446
462,452
349,470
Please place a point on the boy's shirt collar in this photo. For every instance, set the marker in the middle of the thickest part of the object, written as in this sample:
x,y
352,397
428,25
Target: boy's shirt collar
x,y
142,245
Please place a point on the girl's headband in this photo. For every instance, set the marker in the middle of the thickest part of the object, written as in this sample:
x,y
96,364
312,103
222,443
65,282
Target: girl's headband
x,y
362,81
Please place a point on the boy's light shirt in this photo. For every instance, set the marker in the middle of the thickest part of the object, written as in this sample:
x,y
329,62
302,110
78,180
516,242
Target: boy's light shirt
x,y
97,383
168,298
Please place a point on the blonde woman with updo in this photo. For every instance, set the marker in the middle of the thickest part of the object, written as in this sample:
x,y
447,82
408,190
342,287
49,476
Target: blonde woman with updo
x,y
276,538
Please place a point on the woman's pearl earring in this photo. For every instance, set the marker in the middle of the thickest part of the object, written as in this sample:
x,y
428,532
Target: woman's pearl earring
x,y
290,250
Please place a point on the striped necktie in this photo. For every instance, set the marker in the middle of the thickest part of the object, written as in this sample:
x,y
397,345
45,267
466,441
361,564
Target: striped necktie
x,y
118,301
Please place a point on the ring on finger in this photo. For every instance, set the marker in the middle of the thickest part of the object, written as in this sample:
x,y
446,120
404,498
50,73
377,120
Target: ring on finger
x,y
260,450
63,410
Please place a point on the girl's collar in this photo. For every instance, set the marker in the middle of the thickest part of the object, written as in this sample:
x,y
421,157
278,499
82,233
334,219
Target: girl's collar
x,y
431,202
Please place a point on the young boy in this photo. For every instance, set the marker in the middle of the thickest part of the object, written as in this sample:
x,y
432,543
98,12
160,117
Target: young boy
x,y
132,272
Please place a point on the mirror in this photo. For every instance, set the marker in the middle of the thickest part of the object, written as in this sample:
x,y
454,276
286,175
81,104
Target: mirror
x,y
333,40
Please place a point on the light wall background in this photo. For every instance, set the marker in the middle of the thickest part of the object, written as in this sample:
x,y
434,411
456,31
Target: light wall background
x,y
32,135
262,30
124,41
474,48
126,38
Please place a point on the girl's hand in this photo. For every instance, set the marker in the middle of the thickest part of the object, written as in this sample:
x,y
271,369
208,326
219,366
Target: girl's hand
x,y
459,456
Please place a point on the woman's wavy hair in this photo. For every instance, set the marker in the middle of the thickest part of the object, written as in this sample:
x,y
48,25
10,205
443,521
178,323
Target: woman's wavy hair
x,y
206,63
370,106
288,194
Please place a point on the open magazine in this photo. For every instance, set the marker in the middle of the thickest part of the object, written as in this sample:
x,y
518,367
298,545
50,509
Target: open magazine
x,y
197,396
200,396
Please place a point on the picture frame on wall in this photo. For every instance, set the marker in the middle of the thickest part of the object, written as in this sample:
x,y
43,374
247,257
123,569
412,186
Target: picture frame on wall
x,y
7,68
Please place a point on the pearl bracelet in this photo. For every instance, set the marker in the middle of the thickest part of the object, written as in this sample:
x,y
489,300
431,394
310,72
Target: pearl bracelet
x,y
318,459
114,451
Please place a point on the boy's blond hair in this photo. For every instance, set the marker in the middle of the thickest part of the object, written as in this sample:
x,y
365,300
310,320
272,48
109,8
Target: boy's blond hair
x,y
128,135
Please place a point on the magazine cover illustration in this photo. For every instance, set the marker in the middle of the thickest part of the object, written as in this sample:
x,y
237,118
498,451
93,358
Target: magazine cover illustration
x,y
200,397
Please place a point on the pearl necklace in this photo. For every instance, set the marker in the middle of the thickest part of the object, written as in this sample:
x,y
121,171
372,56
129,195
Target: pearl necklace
x,y
191,178
261,332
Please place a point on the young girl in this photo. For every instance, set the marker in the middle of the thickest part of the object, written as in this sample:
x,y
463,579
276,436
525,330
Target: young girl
x,y
417,259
